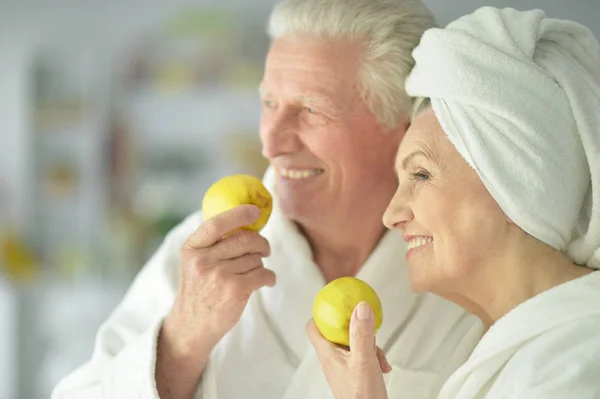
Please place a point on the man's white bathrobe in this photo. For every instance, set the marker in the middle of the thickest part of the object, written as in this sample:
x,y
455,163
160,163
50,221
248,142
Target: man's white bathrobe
x,y
267,355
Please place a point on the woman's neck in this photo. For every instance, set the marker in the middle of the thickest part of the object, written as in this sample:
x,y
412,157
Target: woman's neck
x,y
504,285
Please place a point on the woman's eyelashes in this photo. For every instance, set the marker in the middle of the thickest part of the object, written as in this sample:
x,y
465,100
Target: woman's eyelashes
x,y
420,174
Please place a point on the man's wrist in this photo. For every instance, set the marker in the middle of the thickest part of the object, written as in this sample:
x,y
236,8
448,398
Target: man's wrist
x,y
182,345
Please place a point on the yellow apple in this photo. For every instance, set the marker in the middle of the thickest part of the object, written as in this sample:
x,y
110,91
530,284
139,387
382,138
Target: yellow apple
x,y
334,304
234,190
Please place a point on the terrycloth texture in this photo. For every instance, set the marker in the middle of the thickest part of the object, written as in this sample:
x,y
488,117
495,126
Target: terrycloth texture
x,y
267,355
518,94
545,348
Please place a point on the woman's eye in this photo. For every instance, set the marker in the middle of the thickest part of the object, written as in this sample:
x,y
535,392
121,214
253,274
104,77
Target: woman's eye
x,y
311,110
420,175
269,104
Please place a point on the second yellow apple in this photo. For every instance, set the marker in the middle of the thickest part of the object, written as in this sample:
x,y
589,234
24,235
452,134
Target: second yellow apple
x,y
334,304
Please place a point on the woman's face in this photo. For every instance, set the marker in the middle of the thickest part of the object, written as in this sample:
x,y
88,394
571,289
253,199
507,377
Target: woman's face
x,y
452,225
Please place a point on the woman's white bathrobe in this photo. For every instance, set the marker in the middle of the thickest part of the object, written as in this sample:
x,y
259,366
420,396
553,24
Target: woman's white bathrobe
x,y
546,348
268,355
518,94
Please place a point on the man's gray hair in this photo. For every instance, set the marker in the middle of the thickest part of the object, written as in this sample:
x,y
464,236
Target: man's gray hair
x,y
420,104
388,30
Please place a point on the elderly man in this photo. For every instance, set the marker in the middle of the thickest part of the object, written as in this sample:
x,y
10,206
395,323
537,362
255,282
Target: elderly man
x,y
207,317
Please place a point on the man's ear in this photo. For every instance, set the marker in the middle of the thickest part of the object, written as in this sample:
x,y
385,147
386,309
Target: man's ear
x,y
405,124
402,128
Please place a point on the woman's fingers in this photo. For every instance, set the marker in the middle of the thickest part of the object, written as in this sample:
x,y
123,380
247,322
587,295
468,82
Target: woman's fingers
x,y
354,373
362,335
362,340
383,363
322,345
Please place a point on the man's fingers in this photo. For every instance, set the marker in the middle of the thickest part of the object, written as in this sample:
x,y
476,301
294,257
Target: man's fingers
x,y
383,363
362,333
259,277
239,243
217,227
242,264
243,242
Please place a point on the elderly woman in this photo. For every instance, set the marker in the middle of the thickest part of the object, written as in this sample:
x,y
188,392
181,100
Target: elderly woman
x,y
499,202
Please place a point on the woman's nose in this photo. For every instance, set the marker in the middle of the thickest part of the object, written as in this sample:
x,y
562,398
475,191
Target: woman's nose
x,y
398,213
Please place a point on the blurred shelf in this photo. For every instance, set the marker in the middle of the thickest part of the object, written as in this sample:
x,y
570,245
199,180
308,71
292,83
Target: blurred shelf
x,y
55,322
194,117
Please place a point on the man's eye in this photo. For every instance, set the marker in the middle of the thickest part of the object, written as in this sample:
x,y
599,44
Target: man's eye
x,y
269,104
313,117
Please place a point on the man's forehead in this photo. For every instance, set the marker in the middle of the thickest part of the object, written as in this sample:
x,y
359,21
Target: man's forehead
x,y
323,97
315,72
321,93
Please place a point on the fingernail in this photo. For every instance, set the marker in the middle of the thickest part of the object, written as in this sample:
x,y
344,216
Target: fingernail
x,y
255,211
363,311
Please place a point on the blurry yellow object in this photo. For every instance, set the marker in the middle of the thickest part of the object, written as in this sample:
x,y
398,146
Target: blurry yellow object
x,y
334,304
71,260
244,150
19,262
60,180
235,190
243,75
175,78
198,21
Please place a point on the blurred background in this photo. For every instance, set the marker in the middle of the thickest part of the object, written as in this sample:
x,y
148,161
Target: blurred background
x,y
115,117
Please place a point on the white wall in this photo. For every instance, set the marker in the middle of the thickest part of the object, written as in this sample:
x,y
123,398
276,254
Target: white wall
x,y
13,141
8,350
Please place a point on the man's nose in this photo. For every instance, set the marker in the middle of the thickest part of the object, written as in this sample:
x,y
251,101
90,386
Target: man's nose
x,y
279,136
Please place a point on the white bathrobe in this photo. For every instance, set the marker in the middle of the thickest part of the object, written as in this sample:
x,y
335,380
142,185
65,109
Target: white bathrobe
x,y
545,348
267,355
518,94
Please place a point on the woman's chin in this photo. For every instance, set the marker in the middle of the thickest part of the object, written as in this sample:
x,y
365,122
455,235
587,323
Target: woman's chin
x,y
419,283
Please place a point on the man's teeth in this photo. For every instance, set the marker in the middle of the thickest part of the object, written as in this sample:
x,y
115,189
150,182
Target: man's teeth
x,y
299,174
419,242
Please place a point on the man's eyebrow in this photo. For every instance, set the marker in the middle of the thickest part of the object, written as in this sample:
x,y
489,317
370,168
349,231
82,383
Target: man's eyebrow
x,y
308,99
312,99
263,93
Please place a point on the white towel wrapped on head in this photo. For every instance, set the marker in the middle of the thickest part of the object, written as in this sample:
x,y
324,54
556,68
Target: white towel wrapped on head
x,y
518,94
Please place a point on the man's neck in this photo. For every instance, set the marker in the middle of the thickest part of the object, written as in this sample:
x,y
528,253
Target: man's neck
x,y
341,249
